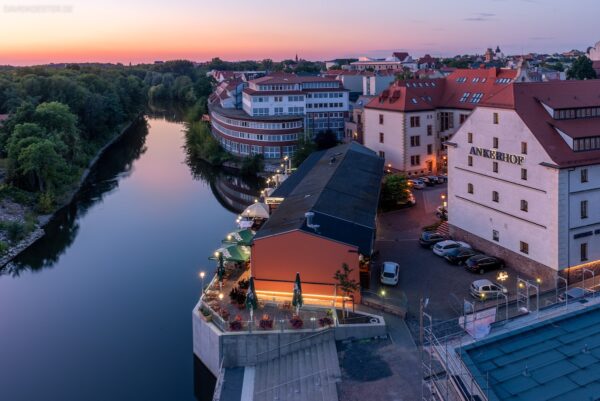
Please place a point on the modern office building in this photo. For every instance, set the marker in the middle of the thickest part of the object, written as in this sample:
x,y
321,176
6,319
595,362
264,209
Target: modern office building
x,y
275,111
524,177
408,123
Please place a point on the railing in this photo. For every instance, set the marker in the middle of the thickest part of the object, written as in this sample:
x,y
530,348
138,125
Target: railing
x,y
219,382
318,382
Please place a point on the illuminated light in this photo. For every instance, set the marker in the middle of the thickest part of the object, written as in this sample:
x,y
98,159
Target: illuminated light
x,y
445,204
229,237
286,158
312,319
482,295
444,158
443,196
304,295
390,165
220,296
538,280
255,200
502,276
521,284
216,254
383,293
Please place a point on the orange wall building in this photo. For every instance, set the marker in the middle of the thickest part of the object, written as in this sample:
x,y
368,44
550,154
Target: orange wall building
x,y
327,218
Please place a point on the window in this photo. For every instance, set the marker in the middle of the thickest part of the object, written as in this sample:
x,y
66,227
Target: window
x,y
415,141
495,196
415,121
382,154
524,205
584,251
470,188
584,209
381,119
464,97
462,118
495,143
446,121
524,247
584,175
470,137
495,235
524,148
495,167
524,174
496,118
415,160
470,161
429,130
430,149
381,137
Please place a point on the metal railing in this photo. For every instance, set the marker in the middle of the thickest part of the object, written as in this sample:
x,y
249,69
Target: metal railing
x,y
264,356
219,382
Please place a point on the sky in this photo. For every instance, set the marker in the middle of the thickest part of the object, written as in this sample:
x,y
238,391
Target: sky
x,y
44,31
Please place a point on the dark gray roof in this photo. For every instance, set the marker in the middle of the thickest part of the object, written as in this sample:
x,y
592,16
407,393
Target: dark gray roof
x,y
341,186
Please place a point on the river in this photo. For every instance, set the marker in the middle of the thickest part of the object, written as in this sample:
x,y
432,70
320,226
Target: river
x,y
101,307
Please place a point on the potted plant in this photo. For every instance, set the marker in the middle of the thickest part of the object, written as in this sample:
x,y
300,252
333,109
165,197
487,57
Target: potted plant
x,y
224,314
244,284
296,322
236,324
205,313
326,321
266,322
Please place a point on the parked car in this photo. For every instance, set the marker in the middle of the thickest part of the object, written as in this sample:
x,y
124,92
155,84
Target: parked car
x,y
442,179
441,212
441,248
428,181
430,238
390,271
458,256
416,184
482,263
485,289
573,293
434,179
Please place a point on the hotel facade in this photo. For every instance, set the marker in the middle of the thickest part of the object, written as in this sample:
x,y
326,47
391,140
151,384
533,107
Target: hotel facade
x,y
524,178
275,111
409,122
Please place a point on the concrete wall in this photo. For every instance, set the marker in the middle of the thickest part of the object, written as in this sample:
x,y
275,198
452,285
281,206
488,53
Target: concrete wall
x,y
207,342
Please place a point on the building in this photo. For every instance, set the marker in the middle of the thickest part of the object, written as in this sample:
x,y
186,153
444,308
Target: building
x,y
524,177
550,355
355,125
325,216
373,83
398,61
594,52
408,123
274,112
350,79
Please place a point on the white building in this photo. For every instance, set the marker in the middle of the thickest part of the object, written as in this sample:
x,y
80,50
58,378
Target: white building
x,y
524,177
408,123
375,83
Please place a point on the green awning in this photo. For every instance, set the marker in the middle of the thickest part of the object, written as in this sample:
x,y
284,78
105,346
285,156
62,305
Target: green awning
x,y
233,253
239,237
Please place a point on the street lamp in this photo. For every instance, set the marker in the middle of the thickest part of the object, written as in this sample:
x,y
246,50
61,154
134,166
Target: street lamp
x,y
202,274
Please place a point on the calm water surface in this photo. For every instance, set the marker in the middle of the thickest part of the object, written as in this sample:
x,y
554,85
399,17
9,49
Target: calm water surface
x,y
100,308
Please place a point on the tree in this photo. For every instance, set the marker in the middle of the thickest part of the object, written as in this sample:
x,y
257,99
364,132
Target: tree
x,y
405,74
326,139
40,159
347,285
394,191
304,148
582,68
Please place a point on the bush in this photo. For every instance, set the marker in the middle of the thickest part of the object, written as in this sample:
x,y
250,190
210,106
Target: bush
x,y
252,165
237,296
296,322
266,322
15,231
3,247
236,324
45,203
326,321
244,284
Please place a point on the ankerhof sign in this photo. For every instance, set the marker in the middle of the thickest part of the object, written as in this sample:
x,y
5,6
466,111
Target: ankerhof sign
x,y
494,154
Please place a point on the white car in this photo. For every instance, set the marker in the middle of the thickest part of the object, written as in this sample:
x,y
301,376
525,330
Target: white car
x,y
416,184
390,272
441,248
485,289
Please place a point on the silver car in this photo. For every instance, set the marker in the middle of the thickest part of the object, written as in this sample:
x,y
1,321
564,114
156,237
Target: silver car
x,y
486,289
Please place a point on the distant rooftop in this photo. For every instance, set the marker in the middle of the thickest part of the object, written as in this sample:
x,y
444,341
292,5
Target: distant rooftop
x,y
557,359
341,187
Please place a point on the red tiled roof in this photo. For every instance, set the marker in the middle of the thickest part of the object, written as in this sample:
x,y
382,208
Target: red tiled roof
x,y
425,94
400,55
528,100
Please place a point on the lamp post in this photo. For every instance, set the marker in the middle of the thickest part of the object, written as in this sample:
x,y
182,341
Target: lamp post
x,y
202,274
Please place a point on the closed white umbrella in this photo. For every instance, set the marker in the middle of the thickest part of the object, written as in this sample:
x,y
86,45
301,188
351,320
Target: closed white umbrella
x,y
256,210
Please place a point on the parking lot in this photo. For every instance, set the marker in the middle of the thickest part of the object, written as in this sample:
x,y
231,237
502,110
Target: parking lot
x,y
422,273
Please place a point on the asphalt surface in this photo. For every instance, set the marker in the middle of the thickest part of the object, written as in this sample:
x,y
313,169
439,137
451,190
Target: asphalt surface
x,y
423,274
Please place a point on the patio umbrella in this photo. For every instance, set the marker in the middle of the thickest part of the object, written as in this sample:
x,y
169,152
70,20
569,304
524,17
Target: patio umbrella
x,y
240,237
256,210
251,300
233,253
297,300
220,268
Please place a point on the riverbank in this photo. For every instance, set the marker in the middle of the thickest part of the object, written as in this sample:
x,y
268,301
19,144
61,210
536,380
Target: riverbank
x,y
19,212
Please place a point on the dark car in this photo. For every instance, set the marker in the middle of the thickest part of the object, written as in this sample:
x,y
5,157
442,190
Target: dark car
x,y
430,238
458,256
428,181
482,263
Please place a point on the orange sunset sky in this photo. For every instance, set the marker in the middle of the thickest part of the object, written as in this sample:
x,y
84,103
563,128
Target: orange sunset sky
x,y
143,31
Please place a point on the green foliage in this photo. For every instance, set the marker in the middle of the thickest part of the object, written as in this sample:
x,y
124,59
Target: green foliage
x,y
252,165
200,144
45,203
15,231
582,68
304,148
3,248
394,191
344,282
